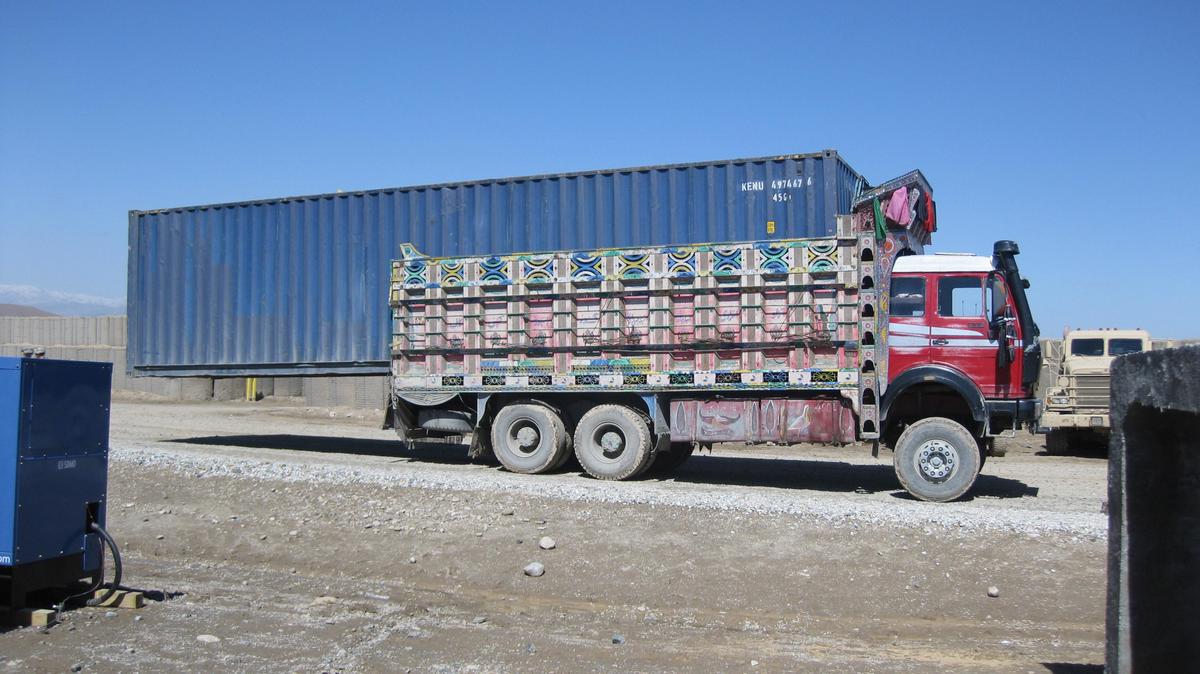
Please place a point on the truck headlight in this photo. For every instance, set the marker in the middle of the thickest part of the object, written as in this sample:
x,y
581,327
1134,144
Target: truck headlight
x,y
1060,400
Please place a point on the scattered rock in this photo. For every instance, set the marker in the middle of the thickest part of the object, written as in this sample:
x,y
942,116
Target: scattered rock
x,y
530,649
77,667
535,569
412,560
754,663
159,537
618,639
137,618
547,543
993,592
508,512
376,597
208,639
293,533
478,620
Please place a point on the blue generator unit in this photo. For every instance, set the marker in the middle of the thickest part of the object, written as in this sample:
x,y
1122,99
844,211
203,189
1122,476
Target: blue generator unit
x,y
53,473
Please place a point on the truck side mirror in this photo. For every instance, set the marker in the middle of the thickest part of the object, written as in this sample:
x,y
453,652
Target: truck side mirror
x,y
1004,341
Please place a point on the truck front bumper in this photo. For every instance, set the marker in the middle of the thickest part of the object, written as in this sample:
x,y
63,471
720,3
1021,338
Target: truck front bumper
x,y
1021,411
1052,420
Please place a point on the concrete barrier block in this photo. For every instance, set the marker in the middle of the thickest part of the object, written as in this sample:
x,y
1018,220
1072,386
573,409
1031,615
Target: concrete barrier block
x,y
1154,512
195,388
231,388
288,387
361,392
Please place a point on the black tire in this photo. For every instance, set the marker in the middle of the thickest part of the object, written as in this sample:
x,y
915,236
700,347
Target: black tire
x,y
1058,441
565,453
986,447
613,442
529,438
458,422
668,461
937,459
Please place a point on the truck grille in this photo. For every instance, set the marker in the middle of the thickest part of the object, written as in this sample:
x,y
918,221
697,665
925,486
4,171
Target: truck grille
x,y
1091,390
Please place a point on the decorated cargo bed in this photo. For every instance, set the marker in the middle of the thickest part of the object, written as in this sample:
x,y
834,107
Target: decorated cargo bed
x,y
764,315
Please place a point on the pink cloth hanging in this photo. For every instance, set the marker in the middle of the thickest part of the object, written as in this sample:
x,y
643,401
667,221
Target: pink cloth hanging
x,y
897,209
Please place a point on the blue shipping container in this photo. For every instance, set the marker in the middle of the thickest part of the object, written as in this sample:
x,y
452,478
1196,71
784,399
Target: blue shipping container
x,y
298,285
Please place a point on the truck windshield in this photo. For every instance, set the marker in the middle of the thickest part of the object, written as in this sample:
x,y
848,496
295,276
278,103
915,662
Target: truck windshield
x,y
1087,347
1120,347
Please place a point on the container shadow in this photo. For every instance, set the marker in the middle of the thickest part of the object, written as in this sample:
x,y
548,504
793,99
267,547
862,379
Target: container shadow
x,y
833,476
426,452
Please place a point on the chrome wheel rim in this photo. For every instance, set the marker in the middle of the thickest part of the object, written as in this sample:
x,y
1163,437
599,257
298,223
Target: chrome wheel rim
x,y
936,460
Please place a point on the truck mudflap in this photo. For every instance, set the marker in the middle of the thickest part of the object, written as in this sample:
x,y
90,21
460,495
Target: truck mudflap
x,y
780,420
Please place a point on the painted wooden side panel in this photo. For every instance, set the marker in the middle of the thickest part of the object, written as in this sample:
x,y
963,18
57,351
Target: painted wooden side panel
x,y
779,420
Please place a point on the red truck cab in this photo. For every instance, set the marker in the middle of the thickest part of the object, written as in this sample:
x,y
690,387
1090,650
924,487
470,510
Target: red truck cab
x,y
962,351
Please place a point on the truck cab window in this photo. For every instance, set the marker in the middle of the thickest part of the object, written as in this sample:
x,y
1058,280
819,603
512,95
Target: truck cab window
x,y
908,297
1087,347
1121,347
960,296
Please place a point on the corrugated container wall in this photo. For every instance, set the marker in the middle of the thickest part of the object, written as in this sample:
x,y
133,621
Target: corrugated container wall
x,y
299,285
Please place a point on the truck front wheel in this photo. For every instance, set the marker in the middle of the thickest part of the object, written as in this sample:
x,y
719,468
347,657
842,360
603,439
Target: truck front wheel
x,y
937,459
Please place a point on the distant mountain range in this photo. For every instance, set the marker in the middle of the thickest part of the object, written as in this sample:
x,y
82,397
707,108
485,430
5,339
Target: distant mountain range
x,y
56,302
22,310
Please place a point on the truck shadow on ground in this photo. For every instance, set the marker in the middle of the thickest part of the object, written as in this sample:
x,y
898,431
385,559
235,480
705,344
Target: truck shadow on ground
x,y
783,473
835,476
424,452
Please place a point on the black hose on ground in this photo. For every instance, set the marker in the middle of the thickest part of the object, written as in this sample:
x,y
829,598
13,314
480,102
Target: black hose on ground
x,y
116,584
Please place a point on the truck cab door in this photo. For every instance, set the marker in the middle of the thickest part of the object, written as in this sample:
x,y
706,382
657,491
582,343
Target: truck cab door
x,y
961,336
908,323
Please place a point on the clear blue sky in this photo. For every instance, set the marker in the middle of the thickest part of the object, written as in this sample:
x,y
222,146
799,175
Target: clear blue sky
x,y
1070,127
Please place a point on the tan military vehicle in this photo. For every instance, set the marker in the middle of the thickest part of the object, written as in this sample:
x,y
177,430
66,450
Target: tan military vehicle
x,y
1074,386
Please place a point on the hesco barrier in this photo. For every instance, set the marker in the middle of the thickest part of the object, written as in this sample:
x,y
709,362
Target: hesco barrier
x,y
102,339
299,285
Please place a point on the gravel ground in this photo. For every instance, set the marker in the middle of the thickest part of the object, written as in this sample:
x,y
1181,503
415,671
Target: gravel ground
x,y
306,539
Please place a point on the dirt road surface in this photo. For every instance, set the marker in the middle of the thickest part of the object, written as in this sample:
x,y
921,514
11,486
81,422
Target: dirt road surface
x,y
292,539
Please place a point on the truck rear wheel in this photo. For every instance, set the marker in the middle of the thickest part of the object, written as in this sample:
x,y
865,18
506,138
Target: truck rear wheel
x,y
529,438
612,442
937,459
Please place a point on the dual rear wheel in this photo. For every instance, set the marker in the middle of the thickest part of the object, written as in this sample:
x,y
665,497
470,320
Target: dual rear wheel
x,y
611,442
530,438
